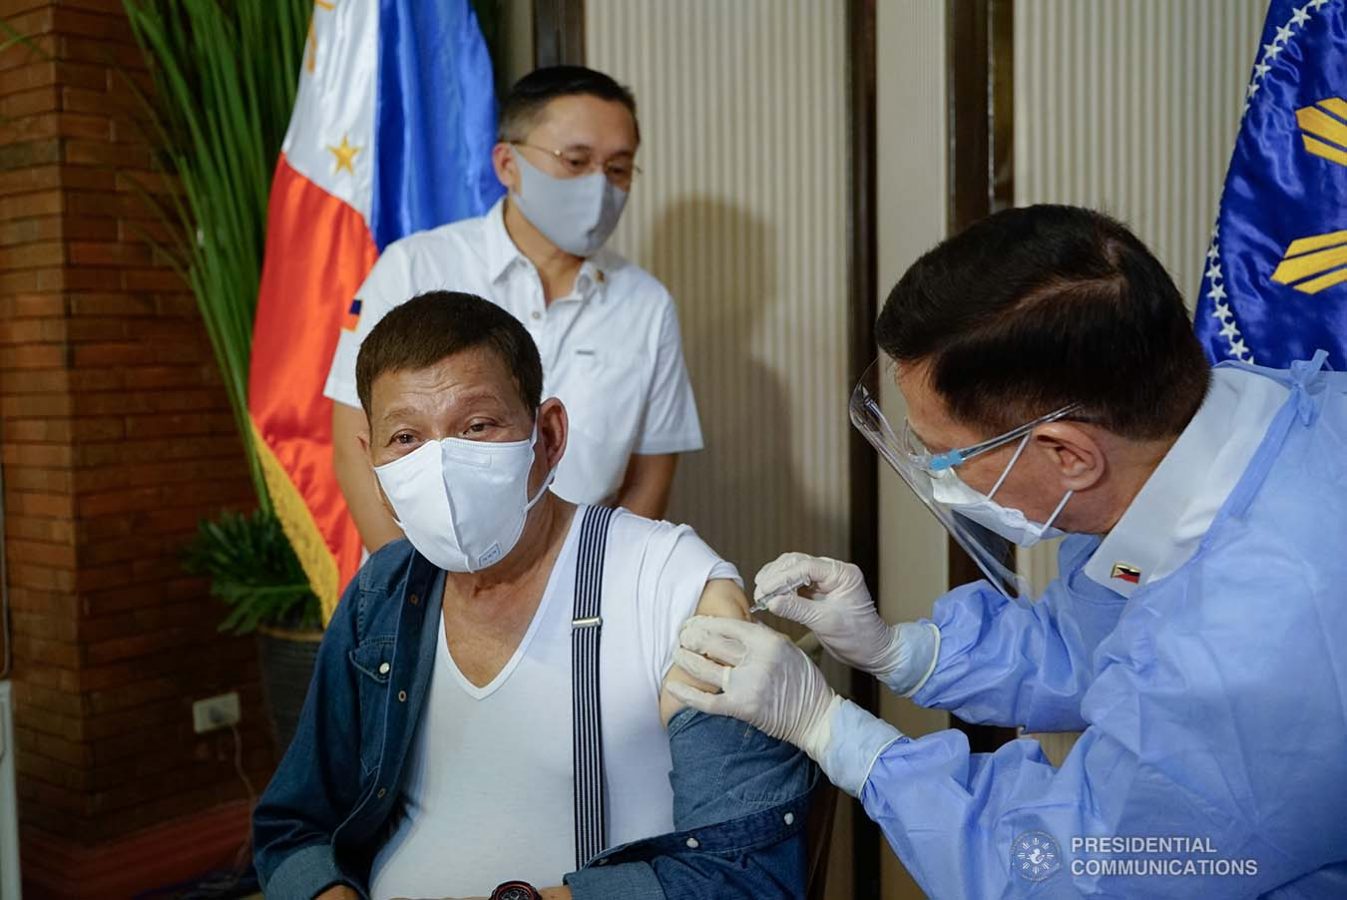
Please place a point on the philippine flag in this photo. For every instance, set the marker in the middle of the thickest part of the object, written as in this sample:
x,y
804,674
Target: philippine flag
x,y
391,133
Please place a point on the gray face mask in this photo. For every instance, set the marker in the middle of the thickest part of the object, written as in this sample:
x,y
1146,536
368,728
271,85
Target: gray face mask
x,y
575,214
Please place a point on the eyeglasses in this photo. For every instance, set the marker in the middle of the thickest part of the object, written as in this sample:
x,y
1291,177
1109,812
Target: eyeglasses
x,y
578,161
921,457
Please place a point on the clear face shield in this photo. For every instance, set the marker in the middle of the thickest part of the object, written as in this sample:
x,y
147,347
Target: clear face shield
x,y
926,473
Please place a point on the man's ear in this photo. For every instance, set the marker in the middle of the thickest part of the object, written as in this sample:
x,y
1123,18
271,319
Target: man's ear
x,y
554,428
1073,452
362,436
502,160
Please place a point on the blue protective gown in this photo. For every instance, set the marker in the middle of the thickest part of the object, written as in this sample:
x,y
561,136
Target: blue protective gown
x,y
1213,704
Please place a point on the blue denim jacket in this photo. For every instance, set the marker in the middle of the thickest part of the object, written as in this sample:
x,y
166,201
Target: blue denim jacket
x,y
740,798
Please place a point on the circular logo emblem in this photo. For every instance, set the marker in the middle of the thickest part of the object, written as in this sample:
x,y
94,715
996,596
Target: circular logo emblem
x,y
1035,855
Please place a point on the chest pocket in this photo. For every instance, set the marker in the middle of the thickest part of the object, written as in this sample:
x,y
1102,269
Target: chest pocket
x,y
373,665
605,391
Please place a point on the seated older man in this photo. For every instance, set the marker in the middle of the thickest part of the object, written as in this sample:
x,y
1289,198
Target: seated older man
x,y
466,728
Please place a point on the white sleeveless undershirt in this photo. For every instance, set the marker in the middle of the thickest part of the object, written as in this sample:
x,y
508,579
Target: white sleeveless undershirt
x,y
488,794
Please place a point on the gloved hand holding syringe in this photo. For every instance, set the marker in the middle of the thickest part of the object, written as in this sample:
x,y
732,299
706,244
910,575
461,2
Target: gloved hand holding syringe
x,y
760,604
839,610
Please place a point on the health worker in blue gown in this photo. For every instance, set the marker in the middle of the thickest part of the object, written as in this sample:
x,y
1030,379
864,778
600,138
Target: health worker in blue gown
x,y
1041,378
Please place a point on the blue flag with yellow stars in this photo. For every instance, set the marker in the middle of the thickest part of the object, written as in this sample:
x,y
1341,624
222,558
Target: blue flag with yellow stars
x,y
1275,286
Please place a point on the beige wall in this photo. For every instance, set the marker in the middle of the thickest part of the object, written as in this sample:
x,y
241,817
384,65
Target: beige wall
x,y
1132,106
742,212
911,145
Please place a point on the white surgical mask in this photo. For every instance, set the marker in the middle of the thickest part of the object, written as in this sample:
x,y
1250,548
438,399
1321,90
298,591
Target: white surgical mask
x,y
576,214
953,492
463,504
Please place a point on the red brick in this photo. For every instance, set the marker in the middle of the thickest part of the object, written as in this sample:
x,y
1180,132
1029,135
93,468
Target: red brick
x,y
20,331
50,481
22,231
151,377
36,203
183,305
47,628
91,328
76,179
60,431
109,354
121,452
34,406
25,68
54,653
69,279
33,766
31,22
32,256
36,305
26,103
102,304
107,28
117,502
40,578
79,127
112,7
29,178
51,506
91,228
94,203
108,254
86,380
170,641
151,280
82,152
38,554
53,531
70,752
45,721
33,356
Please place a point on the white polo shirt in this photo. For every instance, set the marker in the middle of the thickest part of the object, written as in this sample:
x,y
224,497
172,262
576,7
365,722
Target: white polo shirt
x,y
611,349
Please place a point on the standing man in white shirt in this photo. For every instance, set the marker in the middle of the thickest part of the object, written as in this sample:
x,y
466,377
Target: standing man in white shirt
x,y
606,329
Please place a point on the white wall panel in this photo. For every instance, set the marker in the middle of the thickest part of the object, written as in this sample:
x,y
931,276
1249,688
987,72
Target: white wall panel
x,y
1132,106
742,211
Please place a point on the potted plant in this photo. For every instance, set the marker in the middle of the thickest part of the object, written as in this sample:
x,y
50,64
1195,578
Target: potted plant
x,y
224,75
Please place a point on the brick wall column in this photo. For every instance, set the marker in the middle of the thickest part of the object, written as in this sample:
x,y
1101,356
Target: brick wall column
x,y
116,438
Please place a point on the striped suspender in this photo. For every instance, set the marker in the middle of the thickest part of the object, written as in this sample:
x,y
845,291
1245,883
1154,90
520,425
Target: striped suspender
x,y
586,728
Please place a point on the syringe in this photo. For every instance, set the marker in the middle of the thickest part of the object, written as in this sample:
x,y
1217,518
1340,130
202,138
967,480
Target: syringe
x,y
789,587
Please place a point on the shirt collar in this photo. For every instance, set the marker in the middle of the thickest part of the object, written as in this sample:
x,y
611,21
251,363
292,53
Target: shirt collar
x,y
1168,518
502,254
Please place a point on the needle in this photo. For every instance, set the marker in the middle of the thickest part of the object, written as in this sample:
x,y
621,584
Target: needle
x,y
789,587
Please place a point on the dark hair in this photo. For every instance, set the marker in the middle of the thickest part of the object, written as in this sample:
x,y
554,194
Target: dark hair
x,y
436,325
521,107
1033,309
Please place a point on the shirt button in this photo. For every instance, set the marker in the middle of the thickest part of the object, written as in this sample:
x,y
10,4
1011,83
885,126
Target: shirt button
x,y
383,668
790,818
413,599
537,315
693,844
383,792
402,696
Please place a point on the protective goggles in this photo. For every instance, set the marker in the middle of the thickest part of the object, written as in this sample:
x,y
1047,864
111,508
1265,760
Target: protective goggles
x,y
923,471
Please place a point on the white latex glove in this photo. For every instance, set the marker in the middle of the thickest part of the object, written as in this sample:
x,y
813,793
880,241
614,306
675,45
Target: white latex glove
x,y
765,680
839,610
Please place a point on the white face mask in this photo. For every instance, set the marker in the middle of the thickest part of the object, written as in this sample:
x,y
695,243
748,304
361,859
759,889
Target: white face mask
x,y
576,214
463,504
951,491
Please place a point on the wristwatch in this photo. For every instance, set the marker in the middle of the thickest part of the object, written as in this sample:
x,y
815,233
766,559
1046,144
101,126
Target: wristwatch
x,y
516,890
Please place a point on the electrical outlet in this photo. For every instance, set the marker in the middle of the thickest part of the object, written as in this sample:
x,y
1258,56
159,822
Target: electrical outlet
x,y
215,712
